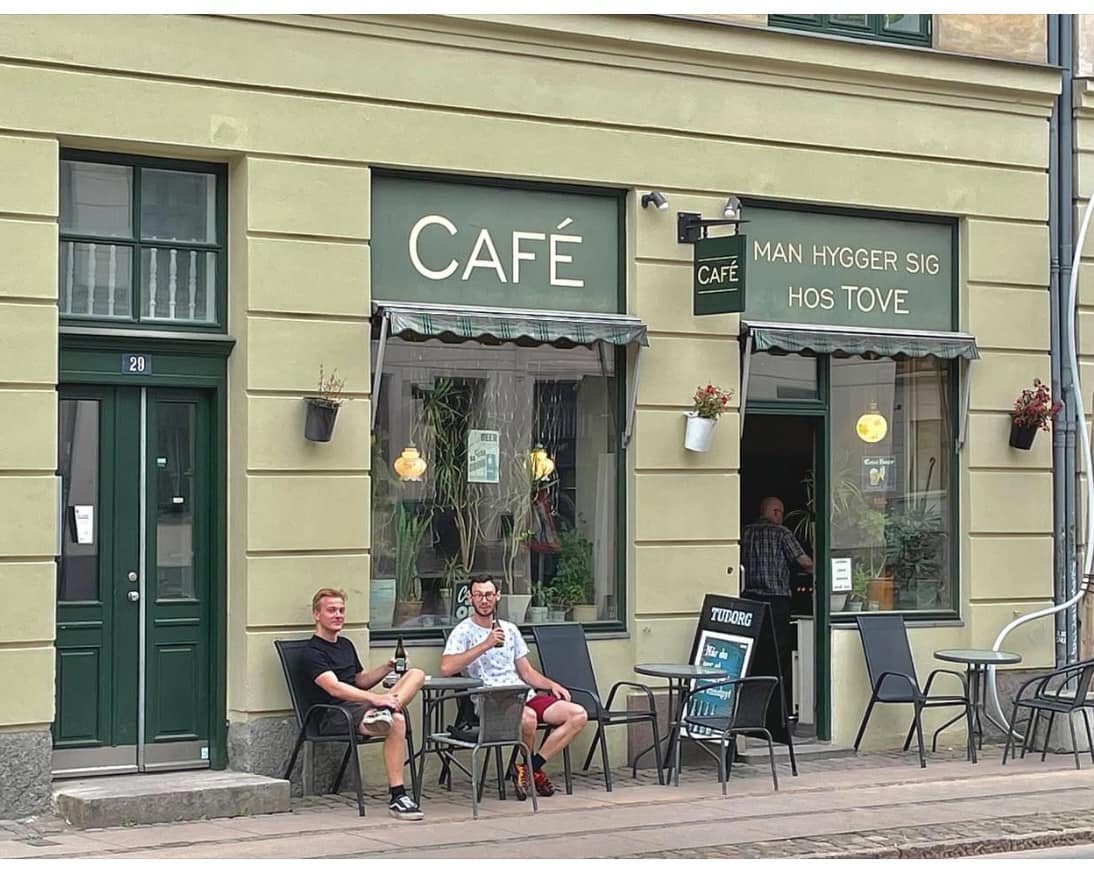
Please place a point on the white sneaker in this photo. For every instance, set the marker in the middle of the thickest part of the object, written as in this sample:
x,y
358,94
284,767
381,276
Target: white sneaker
x,y
404,807
376,722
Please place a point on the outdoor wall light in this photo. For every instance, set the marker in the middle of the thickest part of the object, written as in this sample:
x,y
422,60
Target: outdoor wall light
x,y
409,465
540,464
657,199
732,210
872,426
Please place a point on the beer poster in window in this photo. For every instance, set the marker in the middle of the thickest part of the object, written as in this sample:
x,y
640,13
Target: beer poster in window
x,y
482,456
727,652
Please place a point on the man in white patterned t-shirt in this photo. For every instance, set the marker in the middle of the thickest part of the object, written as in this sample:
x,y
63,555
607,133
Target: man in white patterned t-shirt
x,y
474,646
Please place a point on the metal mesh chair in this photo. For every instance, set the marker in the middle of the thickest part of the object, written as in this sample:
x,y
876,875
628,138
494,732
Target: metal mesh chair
x,y
309,708
564,656
743,711
893,680
501,711
1062,692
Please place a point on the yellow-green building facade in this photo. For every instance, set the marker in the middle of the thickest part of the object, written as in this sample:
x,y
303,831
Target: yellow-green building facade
x,y
189,222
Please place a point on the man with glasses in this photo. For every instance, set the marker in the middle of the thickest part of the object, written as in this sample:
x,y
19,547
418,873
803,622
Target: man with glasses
x,y
499,656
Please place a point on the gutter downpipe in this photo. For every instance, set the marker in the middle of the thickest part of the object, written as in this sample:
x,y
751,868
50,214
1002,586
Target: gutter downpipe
x,y
1056,342
1079,424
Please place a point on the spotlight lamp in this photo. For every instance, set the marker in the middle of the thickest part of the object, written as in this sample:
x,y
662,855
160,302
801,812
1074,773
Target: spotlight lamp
x,y
657,199
732,210
540,463
409,465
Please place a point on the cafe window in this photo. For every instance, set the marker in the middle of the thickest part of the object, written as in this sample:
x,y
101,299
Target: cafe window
x,y
891,461
897,28
495,458
142,242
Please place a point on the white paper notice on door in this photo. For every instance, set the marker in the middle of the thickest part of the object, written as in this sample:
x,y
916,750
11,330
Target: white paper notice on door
x,y
841,574
85,524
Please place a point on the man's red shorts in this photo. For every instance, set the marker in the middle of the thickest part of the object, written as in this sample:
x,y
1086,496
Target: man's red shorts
x,y
540,703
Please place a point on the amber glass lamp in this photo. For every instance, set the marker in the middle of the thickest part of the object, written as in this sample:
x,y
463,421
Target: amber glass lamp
x,y
872,426
540,463
409,465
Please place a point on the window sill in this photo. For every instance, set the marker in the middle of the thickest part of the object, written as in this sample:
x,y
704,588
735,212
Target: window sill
x,y
844,623
602,630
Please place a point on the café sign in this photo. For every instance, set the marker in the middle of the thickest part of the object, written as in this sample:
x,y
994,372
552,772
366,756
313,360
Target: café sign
x,y
842,270
719,275
460,243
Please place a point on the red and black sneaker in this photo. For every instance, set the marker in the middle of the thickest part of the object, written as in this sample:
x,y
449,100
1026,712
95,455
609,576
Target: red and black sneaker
x,y
543,784
519,776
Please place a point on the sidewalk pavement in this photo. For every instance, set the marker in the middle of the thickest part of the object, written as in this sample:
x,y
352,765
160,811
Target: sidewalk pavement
x,y
871,805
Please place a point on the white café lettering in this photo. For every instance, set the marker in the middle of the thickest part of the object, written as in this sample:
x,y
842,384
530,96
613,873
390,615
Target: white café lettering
x,y
484,254
725,273
731,616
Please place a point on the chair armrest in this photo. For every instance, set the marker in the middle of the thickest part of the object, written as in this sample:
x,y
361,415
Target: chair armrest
x,y
964,680
638,685
904,676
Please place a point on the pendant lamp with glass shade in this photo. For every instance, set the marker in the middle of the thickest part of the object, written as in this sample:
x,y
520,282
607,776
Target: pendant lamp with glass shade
x,y
872,426
410,465
540,463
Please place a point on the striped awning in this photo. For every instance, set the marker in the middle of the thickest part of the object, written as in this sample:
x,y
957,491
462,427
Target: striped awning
x,y
851,341
415,321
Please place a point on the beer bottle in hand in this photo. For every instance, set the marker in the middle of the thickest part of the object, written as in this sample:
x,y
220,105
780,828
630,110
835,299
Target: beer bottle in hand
x,y
400,658
494,625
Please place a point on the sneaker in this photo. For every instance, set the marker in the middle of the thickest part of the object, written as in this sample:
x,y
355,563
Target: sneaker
x,y
519,776
376,723
543,784
404,807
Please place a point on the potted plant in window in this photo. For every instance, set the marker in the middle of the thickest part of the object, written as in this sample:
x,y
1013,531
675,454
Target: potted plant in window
x,y
914,540
1034,409
710,402
323,407
411,525
573,578
860,580
537,612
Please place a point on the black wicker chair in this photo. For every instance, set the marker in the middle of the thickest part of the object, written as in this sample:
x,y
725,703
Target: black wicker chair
x,y
1062,692
745,714
564,657
305,696
893,679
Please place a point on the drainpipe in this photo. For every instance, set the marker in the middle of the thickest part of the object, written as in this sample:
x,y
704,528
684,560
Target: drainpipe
x,y
1066,239
1059,479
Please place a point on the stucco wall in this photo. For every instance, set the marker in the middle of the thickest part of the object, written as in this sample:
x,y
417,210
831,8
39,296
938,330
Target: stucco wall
x,y
680,106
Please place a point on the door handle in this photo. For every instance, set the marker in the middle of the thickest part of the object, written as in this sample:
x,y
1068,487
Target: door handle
x,y
133,596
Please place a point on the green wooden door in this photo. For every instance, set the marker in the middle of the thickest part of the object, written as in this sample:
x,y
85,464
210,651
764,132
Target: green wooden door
x,y
133,596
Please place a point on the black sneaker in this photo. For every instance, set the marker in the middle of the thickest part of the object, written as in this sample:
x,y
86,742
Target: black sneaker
x,y
404,807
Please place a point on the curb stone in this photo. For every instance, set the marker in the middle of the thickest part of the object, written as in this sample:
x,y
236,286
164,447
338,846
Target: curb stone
x,y
960,849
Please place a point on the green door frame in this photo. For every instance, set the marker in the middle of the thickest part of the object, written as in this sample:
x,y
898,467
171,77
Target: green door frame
x,y
822,627
190,360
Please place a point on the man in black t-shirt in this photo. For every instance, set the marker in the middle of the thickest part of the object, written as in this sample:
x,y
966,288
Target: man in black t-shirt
x,y
333,666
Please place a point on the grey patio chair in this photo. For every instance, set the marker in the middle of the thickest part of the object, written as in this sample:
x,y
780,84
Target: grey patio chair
x,y
893,679
308,708
501,710
1061,692
744,713
564,656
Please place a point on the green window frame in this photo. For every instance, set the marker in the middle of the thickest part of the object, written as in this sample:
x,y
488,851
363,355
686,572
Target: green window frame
x,y
139,243
870,27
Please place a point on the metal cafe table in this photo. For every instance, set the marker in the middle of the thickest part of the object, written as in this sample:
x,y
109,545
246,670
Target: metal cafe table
x,y
976,663
680,677
435,688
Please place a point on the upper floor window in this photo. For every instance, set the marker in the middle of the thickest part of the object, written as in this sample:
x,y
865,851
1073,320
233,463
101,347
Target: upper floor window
x,y
912,29
142,241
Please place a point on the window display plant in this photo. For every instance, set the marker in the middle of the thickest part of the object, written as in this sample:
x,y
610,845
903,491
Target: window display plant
x,y
1033,410
323,407
411,524
573,580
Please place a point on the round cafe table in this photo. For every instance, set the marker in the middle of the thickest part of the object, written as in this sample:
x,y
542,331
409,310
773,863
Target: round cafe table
x,y
976,663
680,677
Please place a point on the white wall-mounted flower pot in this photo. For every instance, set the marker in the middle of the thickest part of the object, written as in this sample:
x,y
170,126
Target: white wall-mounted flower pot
x,y
699,432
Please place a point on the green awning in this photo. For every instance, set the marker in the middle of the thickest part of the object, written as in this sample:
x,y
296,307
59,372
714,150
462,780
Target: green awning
x,y
414,321
849,341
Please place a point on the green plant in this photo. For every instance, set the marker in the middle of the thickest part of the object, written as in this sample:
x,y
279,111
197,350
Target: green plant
x,y
411,525
574,571
914,540
565,595
447,410
452,572
860,578
539,594
1035,407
